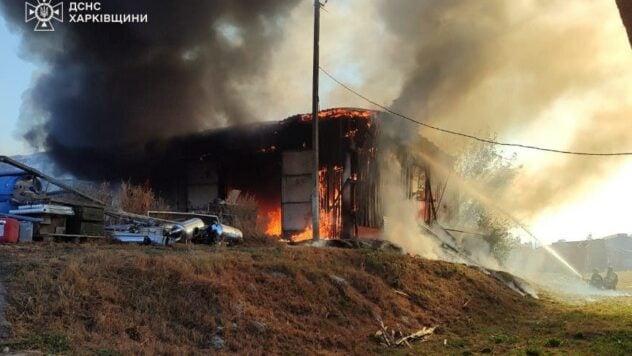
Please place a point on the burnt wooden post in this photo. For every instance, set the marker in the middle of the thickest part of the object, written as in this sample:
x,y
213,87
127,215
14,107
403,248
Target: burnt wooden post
x,y
349,206
348,199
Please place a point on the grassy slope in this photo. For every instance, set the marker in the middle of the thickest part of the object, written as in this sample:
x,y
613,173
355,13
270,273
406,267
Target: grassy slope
x,y
129,299
556,328
594,327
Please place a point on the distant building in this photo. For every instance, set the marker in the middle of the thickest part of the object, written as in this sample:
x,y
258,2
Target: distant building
x,y
614,250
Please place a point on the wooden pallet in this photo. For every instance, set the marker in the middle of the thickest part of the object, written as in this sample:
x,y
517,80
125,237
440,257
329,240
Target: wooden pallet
x,y
71,238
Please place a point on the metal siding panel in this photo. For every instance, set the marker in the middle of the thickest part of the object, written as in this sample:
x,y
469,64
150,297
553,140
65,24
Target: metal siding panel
x,y
296,189
297,163
296,217
201,172
199,196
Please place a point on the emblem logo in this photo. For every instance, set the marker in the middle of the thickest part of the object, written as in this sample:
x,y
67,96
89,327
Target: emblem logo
x,y
44,12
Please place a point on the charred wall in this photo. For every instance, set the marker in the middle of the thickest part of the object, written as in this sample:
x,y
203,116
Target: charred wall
x,y
249,158
200,168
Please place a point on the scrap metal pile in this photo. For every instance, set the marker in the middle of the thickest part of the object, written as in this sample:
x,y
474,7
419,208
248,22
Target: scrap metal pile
x,y
36,206
185,227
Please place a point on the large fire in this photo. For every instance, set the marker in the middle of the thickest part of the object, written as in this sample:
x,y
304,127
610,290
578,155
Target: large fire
x,y
273,226
328,219
331,182
325,228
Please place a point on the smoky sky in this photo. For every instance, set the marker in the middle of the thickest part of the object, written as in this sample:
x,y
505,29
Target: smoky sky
x,y
503,67
111,85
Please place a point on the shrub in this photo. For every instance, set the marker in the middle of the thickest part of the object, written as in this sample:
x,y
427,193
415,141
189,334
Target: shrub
x,y
139,199
553,343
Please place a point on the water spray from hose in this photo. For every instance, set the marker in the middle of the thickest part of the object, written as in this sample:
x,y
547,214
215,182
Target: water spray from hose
x,y
477,193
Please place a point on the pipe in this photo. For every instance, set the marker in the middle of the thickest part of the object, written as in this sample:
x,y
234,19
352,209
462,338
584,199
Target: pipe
x,y
188,229
124,214
23,218
55,181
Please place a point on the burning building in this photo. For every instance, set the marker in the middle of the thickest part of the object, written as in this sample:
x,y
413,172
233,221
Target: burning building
x,y
271,163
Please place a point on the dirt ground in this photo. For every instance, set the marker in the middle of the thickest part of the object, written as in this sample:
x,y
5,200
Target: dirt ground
x,y
277,299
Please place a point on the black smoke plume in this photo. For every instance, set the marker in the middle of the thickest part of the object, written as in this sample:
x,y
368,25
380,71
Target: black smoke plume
x,y
109,89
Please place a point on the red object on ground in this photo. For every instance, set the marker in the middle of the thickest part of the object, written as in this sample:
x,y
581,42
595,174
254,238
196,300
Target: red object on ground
x,y
9,230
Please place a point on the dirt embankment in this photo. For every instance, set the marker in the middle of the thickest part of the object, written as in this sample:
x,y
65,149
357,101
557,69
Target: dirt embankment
x,y
129,299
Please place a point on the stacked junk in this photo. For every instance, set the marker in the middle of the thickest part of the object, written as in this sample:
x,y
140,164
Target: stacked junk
x,y
37,207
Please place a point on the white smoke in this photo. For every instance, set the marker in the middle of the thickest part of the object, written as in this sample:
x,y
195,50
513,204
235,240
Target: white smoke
x,y
401,222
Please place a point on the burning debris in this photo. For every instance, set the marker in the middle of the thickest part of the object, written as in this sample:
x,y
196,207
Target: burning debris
x,y
260,174
271,164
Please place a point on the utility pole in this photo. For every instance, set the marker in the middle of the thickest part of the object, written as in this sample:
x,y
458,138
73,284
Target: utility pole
x,y
316,190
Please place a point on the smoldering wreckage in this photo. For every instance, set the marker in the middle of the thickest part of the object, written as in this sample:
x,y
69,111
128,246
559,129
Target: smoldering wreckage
x,y
269,164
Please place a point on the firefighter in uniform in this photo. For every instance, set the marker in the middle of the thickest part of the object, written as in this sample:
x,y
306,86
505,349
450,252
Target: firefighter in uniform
x,y
596,280
611,280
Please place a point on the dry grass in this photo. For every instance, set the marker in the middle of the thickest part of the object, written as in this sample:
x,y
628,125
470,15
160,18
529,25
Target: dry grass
x,y
599,327
139,199
625,281
242,214
133,198
291,300
254,237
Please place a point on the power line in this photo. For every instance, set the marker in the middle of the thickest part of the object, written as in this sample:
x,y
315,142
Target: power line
x,y
464,232
456,133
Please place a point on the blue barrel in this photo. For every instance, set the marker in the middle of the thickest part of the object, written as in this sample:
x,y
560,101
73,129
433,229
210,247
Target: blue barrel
x,y
7,187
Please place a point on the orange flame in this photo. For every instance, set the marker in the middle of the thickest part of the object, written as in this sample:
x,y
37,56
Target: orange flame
x,y
325,229
326,217
272,221
304,235
339,113
273,227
